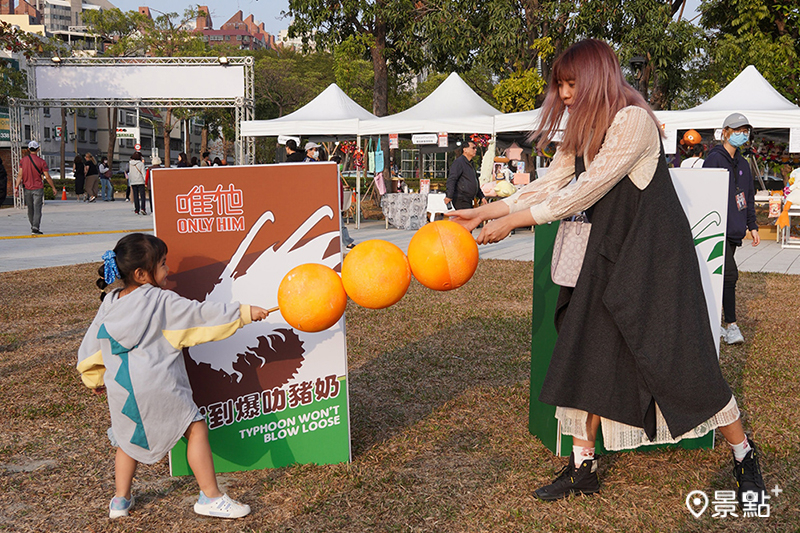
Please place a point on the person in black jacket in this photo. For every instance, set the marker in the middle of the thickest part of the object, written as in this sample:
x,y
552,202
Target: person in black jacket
x,y
3,183
293,154
741,212
462,182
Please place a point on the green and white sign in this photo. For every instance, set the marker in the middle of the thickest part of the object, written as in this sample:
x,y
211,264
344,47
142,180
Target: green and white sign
x,y
128,133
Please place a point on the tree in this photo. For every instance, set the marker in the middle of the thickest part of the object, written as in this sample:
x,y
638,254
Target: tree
x,y
28,44
168,36
510,38
646,28
286,80
764,33
13,82
354,75
123,29
380,29
518,92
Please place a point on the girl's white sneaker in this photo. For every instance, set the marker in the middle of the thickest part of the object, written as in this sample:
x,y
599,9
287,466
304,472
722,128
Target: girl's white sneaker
x,y
222,507
119,507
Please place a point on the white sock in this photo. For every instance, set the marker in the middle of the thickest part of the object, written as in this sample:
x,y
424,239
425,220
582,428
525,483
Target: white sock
x,y
582,454
740,450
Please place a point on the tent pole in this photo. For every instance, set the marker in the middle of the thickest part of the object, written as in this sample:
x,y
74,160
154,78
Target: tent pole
x,y
358,187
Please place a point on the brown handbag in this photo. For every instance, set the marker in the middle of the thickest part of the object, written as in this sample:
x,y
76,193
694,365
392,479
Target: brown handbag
x,y
568,250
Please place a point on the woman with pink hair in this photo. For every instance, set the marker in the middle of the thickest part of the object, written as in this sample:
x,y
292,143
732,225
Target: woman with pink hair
x,y
635,353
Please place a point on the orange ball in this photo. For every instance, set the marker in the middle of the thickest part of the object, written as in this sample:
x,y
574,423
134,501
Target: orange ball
x,y
311,297
443,255
375,274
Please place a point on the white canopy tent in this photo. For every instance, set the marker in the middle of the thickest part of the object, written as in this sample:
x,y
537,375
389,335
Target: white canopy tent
x,y
453,108
520,121
332,112
749,93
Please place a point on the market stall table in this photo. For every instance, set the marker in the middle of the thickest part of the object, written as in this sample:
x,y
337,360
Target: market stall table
x,y
405,210
784,235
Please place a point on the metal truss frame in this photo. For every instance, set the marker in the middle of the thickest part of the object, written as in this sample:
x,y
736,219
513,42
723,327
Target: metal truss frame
x,y
244,106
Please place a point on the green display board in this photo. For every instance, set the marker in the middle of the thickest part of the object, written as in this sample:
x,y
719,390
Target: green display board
x,y
317,433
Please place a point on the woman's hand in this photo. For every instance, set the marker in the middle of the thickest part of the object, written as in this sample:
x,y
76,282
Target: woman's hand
x,y
498,228
494,231
469,218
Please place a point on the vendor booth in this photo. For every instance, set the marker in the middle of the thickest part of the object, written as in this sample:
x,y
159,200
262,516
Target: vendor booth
x,y
770,115
332,112
452,108
749,93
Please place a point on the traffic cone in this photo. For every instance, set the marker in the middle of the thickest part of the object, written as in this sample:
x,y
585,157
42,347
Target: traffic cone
x,y
64,193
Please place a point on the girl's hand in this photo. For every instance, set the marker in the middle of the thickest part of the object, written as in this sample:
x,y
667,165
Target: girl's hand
x,y
258,313
468,218
99,391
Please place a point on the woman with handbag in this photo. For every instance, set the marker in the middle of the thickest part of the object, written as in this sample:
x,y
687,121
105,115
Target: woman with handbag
x,y
92,177
106,187
635,352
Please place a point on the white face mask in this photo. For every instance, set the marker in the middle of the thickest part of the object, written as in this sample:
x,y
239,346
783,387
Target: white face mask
x,y
315,154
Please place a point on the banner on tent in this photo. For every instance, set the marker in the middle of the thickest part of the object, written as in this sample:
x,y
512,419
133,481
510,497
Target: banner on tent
x,y
425,138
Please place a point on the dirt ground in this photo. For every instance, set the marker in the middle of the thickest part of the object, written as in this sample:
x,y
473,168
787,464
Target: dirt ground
x,y
438,410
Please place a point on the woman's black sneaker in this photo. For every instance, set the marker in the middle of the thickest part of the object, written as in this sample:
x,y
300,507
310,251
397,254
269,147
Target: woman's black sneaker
x,y
571,480
748,479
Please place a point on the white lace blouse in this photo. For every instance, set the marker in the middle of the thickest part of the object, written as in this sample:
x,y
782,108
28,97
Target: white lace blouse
x,y
631,147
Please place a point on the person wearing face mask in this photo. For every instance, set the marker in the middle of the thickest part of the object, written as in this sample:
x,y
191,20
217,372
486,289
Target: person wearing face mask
x,y
741,212
312,152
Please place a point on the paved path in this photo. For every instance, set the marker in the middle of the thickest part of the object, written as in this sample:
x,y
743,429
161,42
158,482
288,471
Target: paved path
x,y
80,232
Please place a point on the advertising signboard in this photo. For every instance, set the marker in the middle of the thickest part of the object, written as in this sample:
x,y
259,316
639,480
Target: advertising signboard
x,y
271,395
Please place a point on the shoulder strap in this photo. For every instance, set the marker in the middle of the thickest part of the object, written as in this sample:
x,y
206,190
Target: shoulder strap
x,y
34,165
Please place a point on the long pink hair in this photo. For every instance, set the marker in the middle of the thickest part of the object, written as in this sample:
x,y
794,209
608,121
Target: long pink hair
x,y
600,92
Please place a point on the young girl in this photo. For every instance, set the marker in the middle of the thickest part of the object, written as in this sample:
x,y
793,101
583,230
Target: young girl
x,y
134,349
635,353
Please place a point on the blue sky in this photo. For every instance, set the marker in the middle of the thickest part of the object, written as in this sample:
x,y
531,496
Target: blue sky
x,y
266,11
